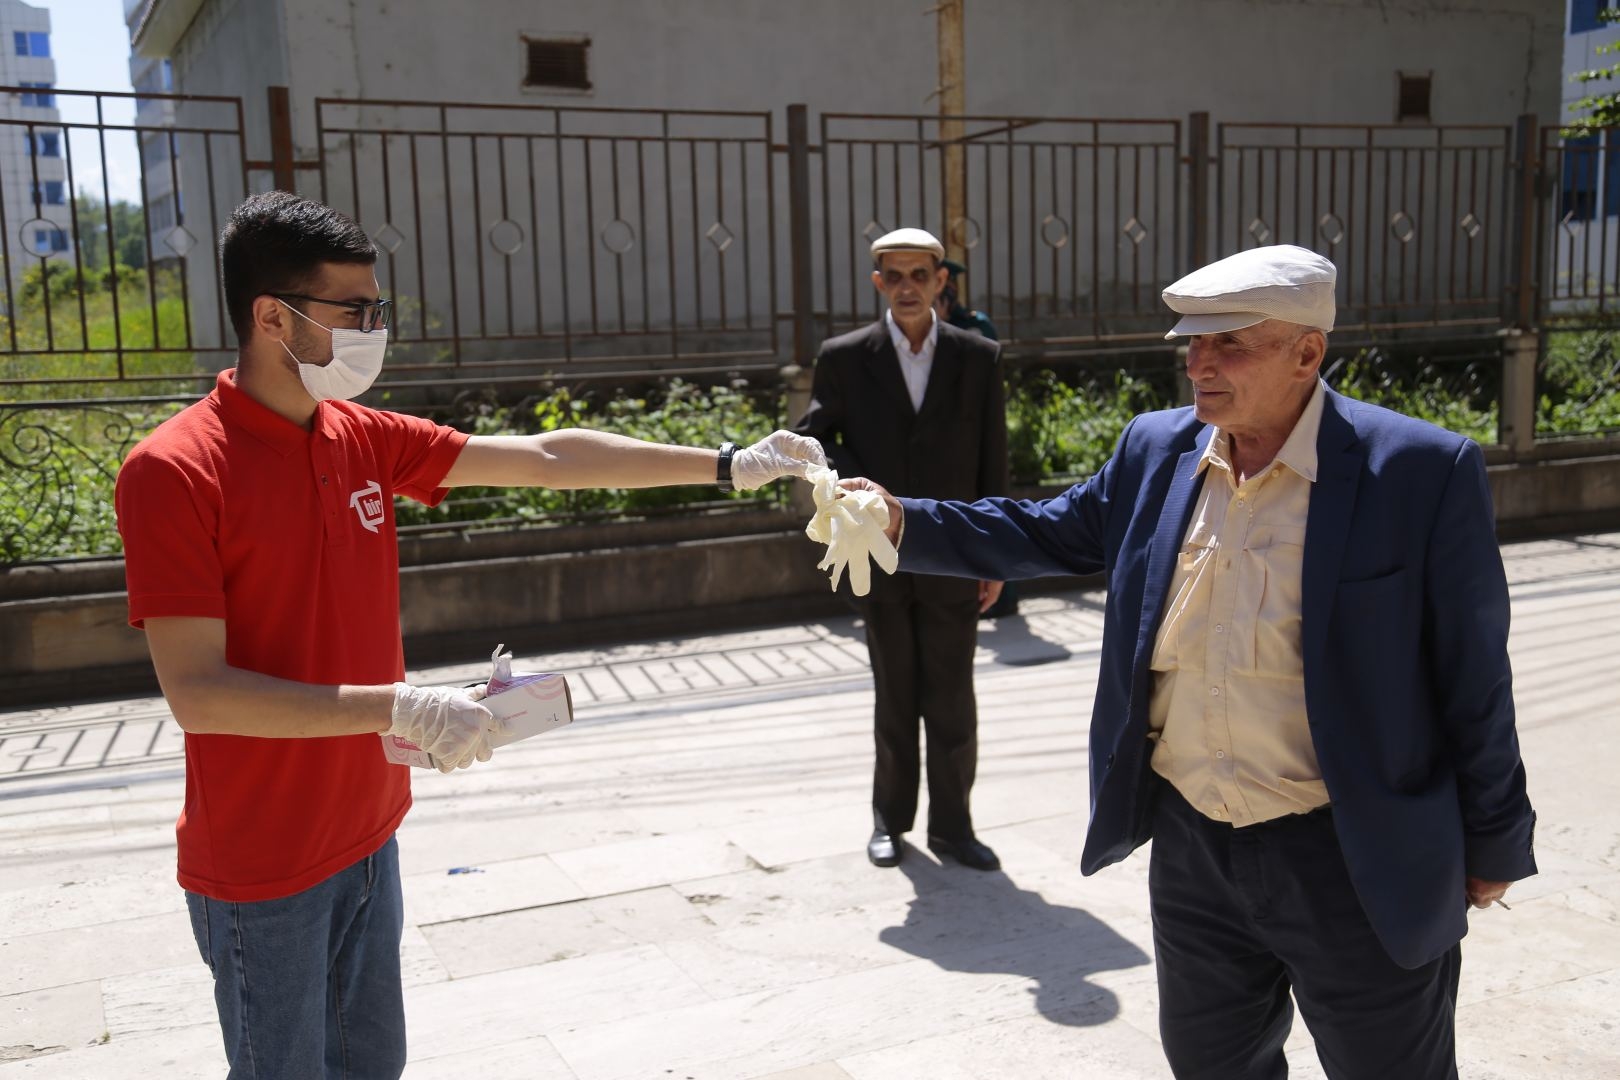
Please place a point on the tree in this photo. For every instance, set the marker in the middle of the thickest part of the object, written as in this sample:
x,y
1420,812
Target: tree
x,y
1598,110
128,232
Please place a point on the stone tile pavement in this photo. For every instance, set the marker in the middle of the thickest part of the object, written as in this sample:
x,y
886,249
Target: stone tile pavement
x,y
675,886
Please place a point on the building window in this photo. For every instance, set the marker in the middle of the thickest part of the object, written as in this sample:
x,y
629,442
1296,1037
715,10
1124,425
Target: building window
x,y
1583,15
47,241
44,144
557,64
1580,179
50,193
1412,97
31,43
39,101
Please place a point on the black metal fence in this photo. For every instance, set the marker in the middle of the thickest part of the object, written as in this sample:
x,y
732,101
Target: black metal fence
x,y
531,246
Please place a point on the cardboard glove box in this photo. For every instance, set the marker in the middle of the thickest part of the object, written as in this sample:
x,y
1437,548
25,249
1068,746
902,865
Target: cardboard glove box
x,y
526,704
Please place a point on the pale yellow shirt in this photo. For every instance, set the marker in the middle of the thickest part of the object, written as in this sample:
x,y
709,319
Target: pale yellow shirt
x,y
1228,705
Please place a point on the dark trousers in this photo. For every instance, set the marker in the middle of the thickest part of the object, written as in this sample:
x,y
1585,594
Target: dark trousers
x,y
922,666
1241,916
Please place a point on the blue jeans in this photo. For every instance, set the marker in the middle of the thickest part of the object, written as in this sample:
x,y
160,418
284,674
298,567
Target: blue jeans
x,y
308,986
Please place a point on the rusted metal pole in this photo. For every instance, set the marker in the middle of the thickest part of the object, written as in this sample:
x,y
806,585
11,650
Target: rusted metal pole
x,y
1198,211
952,104
1522,312
281,142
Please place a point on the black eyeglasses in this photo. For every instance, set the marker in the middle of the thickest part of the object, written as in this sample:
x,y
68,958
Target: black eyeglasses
x,y
373,313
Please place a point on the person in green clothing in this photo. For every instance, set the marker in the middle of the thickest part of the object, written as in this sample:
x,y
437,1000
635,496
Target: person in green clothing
x,y
948,305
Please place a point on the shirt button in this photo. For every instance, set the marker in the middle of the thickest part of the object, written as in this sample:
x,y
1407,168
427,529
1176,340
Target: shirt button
x,y
1219,628
1214,691
1218,812
1220,753
1276,472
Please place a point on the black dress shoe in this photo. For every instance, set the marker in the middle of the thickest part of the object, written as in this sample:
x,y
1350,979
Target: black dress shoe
x,y
883,849
967,851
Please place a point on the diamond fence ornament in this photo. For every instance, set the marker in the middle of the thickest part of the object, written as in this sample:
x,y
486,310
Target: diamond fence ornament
x,y
1330,228
1260,231
389,238
179,240
1136,231
720,236
1471,225
1402,227
1571,224
506,237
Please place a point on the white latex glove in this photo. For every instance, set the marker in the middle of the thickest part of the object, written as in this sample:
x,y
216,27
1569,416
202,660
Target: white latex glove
x,y
446,721
851,524
779,454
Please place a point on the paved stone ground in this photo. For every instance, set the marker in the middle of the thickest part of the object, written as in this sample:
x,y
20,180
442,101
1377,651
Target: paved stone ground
x,y
675,885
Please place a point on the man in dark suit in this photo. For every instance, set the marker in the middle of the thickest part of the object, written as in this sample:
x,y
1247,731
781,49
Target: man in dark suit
x,y
919,405
1304,696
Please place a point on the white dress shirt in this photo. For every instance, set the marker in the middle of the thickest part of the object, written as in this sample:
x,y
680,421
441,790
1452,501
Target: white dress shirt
x,y
915,366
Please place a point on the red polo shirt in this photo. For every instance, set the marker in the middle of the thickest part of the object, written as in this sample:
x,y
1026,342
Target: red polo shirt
x,y
229,511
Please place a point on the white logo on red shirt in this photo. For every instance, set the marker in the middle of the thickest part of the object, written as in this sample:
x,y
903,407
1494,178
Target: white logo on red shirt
x,y
368,504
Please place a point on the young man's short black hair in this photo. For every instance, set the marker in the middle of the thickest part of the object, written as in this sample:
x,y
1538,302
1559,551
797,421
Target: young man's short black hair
x,y
276,242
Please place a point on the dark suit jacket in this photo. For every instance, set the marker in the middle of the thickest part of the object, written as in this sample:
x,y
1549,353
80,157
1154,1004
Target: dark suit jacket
x,y
954,448
1404,645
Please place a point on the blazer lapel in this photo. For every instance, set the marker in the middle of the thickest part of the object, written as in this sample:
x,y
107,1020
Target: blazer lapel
x,y
1173,517
885,367
1327,525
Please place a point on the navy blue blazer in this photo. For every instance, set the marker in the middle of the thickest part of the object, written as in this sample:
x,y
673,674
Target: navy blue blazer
x,y
1404,635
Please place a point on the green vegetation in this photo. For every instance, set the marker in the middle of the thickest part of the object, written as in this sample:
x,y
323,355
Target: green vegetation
x,y
59,449
1578,392
1599,108
1452,394
685,414
1058,431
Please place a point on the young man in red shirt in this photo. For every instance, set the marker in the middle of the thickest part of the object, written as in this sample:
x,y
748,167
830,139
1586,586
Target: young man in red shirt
x,y
262,563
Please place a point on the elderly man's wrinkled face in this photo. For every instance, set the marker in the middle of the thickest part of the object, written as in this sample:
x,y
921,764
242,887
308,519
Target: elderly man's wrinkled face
x,y
909,281
1254,381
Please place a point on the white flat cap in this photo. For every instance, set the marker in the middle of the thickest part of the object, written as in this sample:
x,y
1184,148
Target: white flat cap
x,y
908,240
1281,281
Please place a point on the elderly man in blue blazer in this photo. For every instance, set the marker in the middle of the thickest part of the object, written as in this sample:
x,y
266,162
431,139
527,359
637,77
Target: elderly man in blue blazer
x,y
1304,696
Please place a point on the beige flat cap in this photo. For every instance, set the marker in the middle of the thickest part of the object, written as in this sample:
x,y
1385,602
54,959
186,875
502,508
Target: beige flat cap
x,y
908,240
1280,281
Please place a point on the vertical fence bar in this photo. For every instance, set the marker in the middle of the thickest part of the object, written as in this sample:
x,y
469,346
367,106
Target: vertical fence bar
x,y
1521,300
1197,190
800,257
281,141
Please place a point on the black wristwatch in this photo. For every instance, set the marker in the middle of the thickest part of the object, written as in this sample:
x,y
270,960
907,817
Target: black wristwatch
x,y
722,469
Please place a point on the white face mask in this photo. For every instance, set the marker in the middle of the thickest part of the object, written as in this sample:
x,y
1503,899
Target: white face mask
x,y
357,360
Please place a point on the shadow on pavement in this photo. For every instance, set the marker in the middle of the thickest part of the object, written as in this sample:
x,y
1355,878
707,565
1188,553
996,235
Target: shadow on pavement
x,y
963,920
1013,643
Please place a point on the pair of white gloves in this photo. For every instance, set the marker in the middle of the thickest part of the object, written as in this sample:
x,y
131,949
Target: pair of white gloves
x,y
451,723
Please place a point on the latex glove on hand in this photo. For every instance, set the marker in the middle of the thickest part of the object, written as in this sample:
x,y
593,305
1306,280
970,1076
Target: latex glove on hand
x,y
854,525
779,454
446,721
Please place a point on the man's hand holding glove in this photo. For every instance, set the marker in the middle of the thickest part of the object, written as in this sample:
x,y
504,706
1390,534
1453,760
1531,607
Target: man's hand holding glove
x,y
854,519
779,454
446,721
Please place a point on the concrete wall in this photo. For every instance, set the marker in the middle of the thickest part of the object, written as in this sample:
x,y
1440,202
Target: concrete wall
x,y
1318,61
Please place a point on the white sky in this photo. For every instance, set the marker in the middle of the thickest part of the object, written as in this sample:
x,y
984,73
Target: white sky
x,y
90,45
